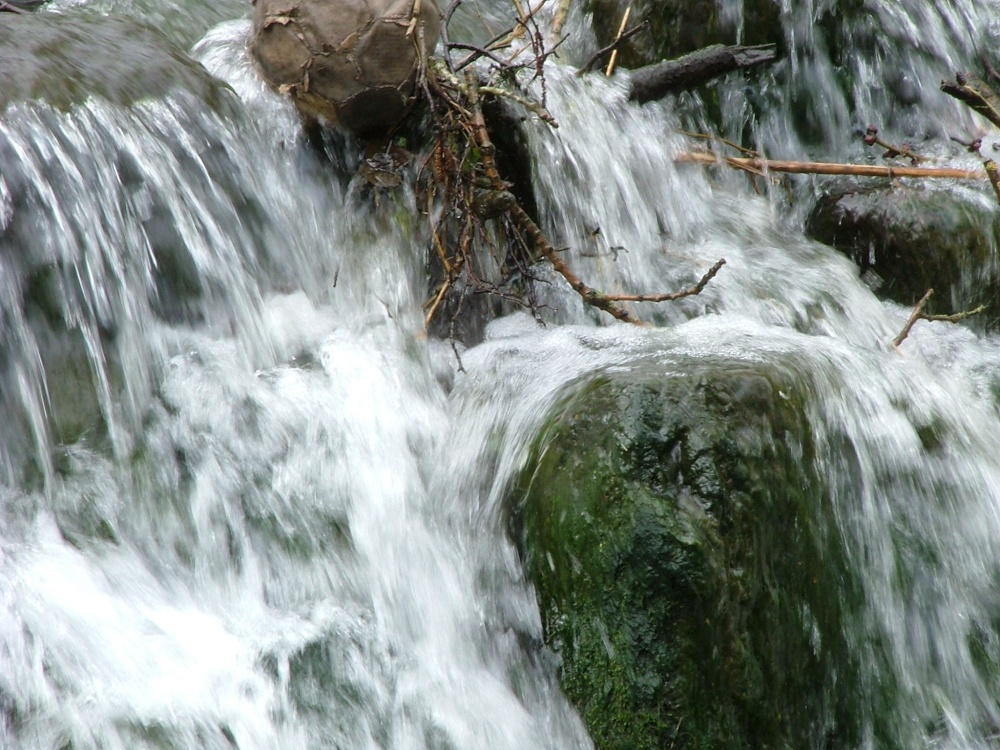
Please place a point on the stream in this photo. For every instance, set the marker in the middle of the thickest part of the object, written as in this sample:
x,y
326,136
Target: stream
x,y
246,502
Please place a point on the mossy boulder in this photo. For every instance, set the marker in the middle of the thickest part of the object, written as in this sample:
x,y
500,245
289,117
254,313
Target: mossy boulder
x,y
352,62
688,570
65,59
910,239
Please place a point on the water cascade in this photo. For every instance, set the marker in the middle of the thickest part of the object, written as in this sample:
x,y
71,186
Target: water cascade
x,y
246,502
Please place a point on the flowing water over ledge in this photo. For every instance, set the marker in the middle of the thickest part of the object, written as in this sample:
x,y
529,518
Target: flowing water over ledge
x,y
245,503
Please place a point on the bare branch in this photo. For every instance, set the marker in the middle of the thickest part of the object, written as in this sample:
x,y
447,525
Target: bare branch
x,y
673,76
621,30
811,167
919,314
914,317
611,47
974,92
689,292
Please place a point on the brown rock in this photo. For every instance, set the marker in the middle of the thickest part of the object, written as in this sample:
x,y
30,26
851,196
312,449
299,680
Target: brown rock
x,y
348,61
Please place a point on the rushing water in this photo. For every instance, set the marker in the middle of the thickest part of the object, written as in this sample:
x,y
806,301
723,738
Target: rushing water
x,y
244,502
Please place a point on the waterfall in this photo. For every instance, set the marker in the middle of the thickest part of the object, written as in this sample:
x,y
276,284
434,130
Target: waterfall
x,y
245,502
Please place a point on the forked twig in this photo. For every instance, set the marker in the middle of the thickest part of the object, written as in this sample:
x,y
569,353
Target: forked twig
x,y
689,292
919,314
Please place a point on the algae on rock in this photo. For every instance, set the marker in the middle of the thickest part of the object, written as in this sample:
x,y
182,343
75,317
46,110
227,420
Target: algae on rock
x,y
688,569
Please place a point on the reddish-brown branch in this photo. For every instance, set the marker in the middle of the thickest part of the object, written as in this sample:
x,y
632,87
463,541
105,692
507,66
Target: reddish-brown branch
x,y
812,167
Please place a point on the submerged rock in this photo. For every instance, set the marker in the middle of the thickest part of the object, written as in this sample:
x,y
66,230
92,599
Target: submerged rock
x,y
689,573
352,62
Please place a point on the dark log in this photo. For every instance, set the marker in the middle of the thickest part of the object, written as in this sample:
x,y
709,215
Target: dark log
x,y
20,6
673,76
974,92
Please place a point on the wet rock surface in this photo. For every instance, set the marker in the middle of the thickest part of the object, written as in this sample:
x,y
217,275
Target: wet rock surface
x,y
909,239
63,59
689,575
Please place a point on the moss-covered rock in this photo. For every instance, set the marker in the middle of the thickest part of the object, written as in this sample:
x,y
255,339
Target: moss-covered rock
x,y
688,570
64,59
915,239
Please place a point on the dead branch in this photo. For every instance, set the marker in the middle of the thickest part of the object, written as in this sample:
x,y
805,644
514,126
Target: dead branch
x,y
560,18
523,19
621,30
974,92
872,138
710,137
991,171
533,106
479,52
690,291
673,76
539,240
919,314
955,317
914,317
972,146
826,168
460,175
611,47
975,147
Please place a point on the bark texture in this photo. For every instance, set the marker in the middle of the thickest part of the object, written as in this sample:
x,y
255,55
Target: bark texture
x,y
352,62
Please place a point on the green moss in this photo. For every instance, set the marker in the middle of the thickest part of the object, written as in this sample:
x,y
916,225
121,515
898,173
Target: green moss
x,y
688,571
66,58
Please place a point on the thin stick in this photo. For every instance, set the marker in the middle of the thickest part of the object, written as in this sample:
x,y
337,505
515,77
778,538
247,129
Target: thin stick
x,y
974,92
437,301
560,18
955,317
871,138
914,317
536,107
522,22
919,314
690,291
812,167
709,137
611,47
414,17
480,52
618,36
991,171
